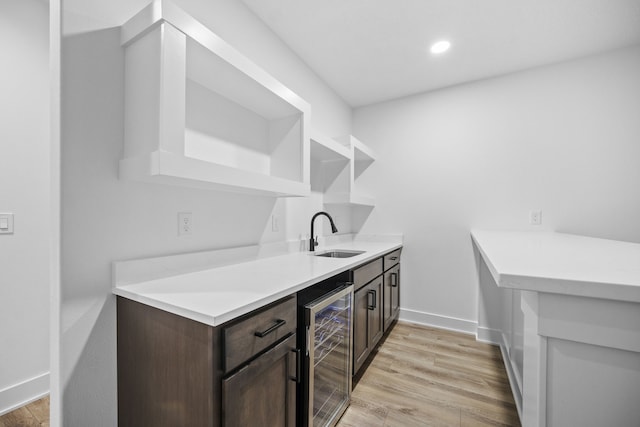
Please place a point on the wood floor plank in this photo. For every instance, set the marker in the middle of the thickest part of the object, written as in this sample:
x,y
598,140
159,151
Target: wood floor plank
x,y
365,413
35,414
425,376
40,409
21,417
409,387
403,405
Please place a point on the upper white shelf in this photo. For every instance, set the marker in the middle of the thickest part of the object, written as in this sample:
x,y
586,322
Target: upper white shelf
x,y
325,149
199,113
363,156
339,179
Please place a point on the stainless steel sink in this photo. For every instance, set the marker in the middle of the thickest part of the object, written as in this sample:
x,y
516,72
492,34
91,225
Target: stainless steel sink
x,y
339,253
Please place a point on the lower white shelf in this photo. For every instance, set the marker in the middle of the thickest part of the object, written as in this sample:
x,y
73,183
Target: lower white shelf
x,y
162,167
356,199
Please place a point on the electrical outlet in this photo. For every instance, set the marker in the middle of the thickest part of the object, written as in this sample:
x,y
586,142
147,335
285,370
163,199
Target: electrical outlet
x,y
185,224
535,217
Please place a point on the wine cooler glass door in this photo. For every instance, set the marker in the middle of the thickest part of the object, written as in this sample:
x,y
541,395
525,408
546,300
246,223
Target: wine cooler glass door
x,y
329,347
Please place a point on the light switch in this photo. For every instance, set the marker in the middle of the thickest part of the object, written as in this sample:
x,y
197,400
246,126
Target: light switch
x,y
6,223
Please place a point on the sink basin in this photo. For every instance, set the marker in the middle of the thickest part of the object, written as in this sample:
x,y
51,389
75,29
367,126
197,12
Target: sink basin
x,y
339,254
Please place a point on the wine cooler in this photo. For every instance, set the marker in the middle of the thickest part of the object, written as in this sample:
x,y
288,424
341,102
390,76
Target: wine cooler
x,y
328,356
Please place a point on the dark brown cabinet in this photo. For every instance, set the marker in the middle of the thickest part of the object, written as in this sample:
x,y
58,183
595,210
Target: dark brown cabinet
x,y
367,318
263,392
376,304
167,368
391,304
360,325
174,371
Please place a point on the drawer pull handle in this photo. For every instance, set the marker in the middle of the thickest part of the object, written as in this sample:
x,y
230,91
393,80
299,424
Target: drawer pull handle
x,y
393,258
279,322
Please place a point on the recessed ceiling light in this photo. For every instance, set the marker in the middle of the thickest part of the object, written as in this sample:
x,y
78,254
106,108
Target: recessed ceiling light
x,y
440,47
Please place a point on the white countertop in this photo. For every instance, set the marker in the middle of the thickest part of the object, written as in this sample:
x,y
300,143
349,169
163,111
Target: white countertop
x,y
562,263
217,295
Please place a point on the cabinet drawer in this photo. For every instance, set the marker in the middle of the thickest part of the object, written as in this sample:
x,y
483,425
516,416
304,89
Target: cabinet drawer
x,y
391,259
254,333
366,273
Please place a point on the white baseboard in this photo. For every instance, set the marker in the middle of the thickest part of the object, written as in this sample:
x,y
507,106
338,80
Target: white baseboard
x,y
20,394
438,321
490,336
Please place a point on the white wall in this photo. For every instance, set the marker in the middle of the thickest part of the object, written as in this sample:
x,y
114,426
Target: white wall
x,y
562,138
24,191
105,219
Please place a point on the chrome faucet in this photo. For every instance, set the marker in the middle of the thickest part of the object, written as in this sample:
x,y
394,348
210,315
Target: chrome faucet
x,y
313,241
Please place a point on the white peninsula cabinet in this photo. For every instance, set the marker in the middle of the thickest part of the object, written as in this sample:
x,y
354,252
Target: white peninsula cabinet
x,y
566,311
200,114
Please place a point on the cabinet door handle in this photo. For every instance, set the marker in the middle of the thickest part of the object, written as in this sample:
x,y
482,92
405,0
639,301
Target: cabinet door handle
x,y
371,306
374,303
262,334
298,364
394,283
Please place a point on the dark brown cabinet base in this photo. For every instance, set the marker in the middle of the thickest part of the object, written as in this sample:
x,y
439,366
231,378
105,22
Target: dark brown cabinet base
x,y
391,296
171,370
167,369
257,393
376,305
367,322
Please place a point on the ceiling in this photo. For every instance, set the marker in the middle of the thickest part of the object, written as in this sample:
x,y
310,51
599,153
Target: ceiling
x,y
375,50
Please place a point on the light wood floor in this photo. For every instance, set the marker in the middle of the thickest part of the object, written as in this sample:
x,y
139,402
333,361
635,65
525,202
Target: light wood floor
x,y
422,376
35,414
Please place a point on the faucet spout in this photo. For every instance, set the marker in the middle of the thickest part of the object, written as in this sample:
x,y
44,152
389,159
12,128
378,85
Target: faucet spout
x,y
313,241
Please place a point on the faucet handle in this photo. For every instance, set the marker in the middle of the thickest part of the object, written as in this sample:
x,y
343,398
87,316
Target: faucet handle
x,y
313,242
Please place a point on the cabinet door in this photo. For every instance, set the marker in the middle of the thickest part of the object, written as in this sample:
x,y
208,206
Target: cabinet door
x,y
395,291
361,350
375,311
387,316
263,393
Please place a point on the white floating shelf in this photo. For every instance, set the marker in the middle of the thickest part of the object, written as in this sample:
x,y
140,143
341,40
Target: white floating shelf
x,y
342,188
198,113
325,149
167,168
363,157
353,199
